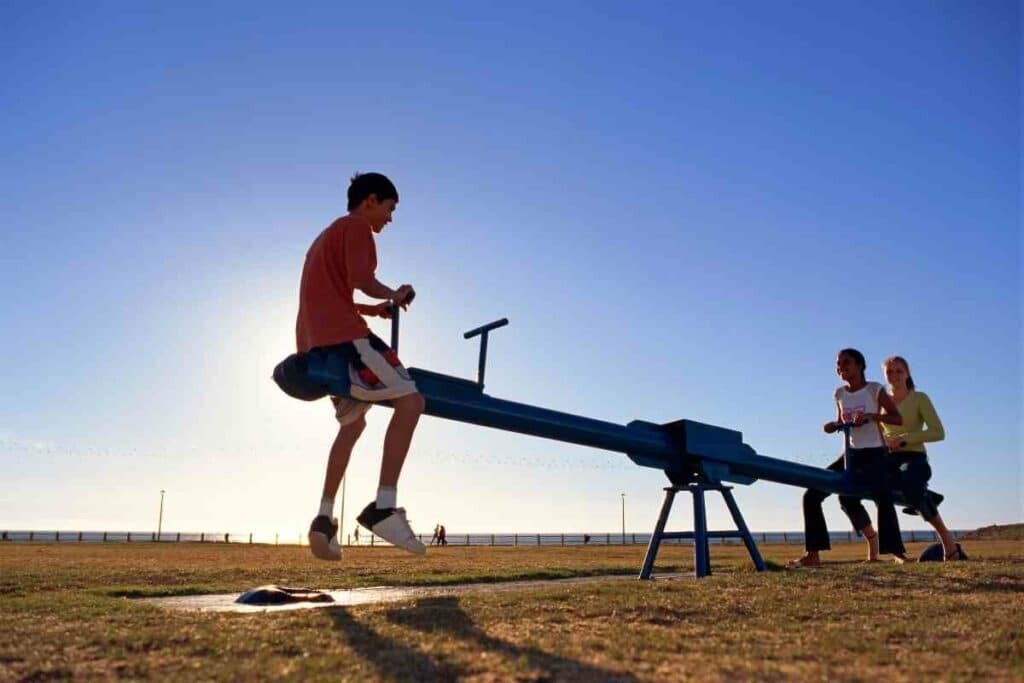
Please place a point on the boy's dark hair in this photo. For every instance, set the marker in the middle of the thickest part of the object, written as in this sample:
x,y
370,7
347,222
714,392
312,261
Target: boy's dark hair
x,y
365,184
858,358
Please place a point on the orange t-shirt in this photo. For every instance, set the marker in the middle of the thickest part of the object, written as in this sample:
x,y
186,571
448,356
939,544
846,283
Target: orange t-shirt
x,y
343,253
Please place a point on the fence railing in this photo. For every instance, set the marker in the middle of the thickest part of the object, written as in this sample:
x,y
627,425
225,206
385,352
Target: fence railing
x,y
455,540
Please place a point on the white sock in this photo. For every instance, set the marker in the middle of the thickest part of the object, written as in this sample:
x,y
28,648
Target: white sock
x,y
387,497
327,506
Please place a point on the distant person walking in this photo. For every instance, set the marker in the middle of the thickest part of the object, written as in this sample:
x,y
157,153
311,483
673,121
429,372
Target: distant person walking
x,y
437,531
442,535
908,460
861,403
356,534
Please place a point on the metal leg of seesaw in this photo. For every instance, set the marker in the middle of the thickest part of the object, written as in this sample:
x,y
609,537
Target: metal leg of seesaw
x,y
659,531
700,533
741,527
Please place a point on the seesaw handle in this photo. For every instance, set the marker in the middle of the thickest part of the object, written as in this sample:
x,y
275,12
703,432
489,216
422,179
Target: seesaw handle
x,y
394,327
482,332
845,428
395,308
485,328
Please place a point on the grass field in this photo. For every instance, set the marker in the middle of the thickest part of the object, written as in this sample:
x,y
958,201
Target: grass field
x,y
66,611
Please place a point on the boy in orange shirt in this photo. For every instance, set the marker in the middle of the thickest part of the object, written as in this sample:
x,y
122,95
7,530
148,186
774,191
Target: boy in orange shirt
x,y
341,260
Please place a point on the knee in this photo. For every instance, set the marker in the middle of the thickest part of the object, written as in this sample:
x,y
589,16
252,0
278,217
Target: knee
x,y
928,508
412,404
355,427
851,506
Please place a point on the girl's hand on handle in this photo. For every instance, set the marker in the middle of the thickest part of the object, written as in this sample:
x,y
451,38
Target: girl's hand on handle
x,y
830,427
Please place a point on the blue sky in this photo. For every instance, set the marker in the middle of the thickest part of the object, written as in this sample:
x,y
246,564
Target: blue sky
x,y
683,209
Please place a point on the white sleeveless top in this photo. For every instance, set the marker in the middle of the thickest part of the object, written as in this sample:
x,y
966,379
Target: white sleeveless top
x,y
860,402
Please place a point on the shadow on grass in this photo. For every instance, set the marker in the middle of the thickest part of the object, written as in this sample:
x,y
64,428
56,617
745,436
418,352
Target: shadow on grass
x,y
391,658
988,584
444,615
749,568
445,578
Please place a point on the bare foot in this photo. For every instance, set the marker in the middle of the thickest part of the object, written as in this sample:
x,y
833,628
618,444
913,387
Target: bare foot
x,y
900,559
872,547
807,560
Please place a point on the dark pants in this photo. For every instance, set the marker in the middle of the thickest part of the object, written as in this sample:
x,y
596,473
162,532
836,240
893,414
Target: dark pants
x,y
909,472
869,469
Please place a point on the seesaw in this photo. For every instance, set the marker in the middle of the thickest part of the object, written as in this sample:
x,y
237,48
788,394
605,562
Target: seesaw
x,y
696,457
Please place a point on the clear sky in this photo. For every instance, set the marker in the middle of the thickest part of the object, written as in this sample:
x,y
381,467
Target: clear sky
x,y
685,210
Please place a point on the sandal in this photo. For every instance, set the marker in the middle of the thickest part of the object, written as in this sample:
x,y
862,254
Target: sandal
x,y
957,555
803,562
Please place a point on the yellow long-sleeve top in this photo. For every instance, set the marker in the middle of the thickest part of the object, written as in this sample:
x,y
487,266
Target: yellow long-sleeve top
x,y
921,423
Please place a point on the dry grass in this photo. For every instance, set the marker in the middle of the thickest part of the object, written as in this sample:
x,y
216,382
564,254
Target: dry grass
x,y
61,617
996,532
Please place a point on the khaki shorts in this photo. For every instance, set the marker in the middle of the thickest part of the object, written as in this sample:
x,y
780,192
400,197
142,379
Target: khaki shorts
x,y
376,374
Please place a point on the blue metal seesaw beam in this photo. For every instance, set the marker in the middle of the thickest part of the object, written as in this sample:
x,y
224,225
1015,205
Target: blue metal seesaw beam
x,y
695,456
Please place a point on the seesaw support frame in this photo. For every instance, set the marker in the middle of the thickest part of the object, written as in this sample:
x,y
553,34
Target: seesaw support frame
x,y
700,533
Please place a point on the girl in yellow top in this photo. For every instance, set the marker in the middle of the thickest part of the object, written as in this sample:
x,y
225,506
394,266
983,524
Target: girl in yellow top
x,y
908,461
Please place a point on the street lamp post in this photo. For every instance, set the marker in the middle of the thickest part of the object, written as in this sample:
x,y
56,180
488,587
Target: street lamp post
x,y
623,519
160,520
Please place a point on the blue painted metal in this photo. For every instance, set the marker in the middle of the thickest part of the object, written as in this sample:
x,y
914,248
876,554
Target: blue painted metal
x,y
483,331
485,328
702,554
684,447
692,454
701,535
396,311
659,533
741,527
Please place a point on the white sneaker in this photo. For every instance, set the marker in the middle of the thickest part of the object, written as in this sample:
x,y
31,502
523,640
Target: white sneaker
x,y
391,525
323,538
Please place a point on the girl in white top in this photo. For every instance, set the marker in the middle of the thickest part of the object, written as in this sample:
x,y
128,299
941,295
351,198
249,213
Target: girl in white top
x,y
858,406
865,405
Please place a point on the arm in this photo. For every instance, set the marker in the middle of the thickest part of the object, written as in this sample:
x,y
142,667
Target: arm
x,y
934,430
361,265
830,427
890,414
371,286
381,310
